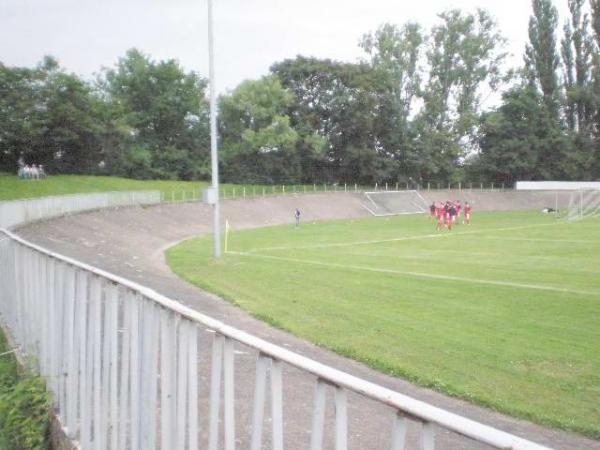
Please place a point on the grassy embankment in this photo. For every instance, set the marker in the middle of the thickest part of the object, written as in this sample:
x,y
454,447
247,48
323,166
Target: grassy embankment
x,y
11,188
24,405
503,313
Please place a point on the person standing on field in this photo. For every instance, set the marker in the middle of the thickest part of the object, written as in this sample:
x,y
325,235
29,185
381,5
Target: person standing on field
x,y
441,214
297,216
467,213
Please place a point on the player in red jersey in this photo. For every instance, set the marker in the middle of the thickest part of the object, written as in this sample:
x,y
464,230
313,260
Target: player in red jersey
x,y
452,213
447,215
467,213
441,214
458,207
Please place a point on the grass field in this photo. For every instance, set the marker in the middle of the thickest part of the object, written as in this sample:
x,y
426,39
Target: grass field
x,y
11,188
504,312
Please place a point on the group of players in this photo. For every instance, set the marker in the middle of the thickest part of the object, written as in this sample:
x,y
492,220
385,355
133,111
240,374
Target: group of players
x,y
448,213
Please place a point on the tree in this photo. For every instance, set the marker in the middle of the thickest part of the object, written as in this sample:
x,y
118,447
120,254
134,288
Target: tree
x,y
516,139
596,84
166,115
577,51
465,53
541,58
49,117
258,143
395,55
334,108
21,121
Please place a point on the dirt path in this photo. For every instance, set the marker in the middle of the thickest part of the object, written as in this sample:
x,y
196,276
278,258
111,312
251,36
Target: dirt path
x,y
130,242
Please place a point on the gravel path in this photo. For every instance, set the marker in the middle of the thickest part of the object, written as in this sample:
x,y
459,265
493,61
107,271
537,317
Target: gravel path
x,y
131,242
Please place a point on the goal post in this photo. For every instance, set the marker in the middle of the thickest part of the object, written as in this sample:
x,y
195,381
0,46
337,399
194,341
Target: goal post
x,y
583,204
393,203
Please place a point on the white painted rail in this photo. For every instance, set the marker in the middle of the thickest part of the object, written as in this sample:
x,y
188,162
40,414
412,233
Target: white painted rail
x,y
122,361
16,212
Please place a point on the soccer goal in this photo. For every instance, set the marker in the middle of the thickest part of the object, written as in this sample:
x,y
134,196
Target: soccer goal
x,y
392,203
584,203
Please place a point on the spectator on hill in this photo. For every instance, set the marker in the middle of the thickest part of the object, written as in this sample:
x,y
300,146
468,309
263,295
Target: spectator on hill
x,y
31,172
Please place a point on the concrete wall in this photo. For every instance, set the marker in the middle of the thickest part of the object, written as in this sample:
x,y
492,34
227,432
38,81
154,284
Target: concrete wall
x,y
556,185
18,212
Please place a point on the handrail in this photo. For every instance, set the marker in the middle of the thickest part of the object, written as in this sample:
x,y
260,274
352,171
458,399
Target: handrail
x,y
403,404
76,194
20,211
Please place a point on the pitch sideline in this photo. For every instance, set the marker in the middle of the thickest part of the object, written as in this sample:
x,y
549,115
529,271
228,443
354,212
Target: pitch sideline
x,y
418,274
405,238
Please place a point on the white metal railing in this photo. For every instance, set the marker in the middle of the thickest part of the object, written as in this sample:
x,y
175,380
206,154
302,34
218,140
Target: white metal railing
x,y
17,212
123,363
229,192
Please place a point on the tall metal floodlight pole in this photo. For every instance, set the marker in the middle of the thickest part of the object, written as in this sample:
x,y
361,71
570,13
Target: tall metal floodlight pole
x,y
213,135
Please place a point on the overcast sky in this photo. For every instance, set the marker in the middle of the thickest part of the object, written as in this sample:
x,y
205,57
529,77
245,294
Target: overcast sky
x,y
251,35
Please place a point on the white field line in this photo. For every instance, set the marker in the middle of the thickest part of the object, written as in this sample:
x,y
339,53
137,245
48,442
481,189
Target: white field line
x,y
418,274
567,241
405,238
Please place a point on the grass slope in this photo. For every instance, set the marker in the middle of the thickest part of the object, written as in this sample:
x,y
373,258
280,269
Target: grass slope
x,y
503,313
11,188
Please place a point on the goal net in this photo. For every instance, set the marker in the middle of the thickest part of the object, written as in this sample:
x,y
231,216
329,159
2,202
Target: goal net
x,y
391,203
584,203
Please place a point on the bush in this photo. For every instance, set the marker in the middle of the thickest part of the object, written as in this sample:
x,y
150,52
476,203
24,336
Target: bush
x,y
24,407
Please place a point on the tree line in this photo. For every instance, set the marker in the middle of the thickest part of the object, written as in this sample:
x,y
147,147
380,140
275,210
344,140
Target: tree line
x,y
411,111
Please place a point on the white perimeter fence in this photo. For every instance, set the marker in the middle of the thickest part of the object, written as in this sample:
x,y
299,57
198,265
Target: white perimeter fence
x,y
228,192
132,369
22,211
556,185
123,363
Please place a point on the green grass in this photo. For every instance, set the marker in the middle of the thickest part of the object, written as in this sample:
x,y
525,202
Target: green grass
x,y
8,377
11,188
24,405
504,312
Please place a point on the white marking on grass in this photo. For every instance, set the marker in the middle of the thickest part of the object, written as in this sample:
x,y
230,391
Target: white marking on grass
x,y
567,241
440,234
419,274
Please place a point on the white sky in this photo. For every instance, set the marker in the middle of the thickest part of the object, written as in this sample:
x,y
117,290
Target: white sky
x,y
250,34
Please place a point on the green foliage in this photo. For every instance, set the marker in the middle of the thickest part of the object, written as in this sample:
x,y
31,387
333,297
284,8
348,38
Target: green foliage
x,y
258,142
518,139
162,114
541,56
465,52
501,313
48,117
411,111
24,414
24,406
